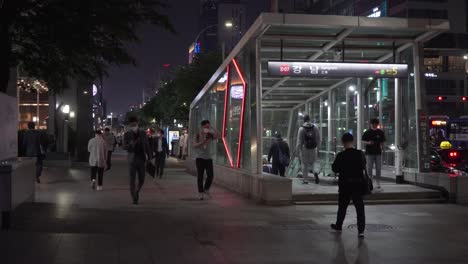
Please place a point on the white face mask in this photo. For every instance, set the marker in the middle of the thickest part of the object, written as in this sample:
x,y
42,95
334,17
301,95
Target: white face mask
x,y
158,135
134,129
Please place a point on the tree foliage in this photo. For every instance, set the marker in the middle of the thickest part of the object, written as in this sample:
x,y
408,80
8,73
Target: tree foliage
x,y
55,40
174,96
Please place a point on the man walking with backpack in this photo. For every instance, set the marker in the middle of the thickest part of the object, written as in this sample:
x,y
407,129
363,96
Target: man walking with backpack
x,y
308,141
279,151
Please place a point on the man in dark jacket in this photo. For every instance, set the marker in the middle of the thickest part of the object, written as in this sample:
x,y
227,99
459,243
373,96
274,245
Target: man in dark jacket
x,y
350,165
35,146
279,151
137,146
161,150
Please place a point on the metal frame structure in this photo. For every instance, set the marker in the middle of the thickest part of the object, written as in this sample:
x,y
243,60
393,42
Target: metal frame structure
x,y
297,37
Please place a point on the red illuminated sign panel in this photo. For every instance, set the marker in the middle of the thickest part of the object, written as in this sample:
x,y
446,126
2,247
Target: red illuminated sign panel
x,y
238,90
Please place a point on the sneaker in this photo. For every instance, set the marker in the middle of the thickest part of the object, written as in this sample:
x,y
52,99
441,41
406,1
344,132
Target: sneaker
x,y
93,184
335,227
305,182
38,180
201,196
208,195
317,180
361,235
99,188
135,201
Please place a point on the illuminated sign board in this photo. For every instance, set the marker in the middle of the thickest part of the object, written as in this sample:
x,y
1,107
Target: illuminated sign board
x,y
237,92
334,69
375,13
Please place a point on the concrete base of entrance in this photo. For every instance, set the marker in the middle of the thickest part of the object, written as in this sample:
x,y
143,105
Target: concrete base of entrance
x,y
266,188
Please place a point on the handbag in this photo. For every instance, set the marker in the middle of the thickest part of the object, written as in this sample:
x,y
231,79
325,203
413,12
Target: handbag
x,y
368,186
150,169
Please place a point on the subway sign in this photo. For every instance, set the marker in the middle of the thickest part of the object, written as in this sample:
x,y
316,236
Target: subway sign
x,y
336,69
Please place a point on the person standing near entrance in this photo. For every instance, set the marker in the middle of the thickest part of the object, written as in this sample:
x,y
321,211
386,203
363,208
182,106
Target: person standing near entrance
x,y
161,150
35,146
279,151
110,141
97,148
350,165
374,139
204,161
308,142
137,146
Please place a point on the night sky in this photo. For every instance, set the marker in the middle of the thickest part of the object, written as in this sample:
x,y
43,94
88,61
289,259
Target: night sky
x,y
125,84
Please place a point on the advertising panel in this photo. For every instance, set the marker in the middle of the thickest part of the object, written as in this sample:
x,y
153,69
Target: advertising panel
x,y
335,69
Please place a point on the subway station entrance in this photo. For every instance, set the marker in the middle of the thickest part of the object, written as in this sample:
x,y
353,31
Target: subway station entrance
x,y
342,72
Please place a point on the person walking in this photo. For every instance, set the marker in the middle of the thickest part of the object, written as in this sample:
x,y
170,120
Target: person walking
x,y
308,142
35,145
161,150
204,161
350,165
137,146
97,148
279,151
374,139
110,142
183,146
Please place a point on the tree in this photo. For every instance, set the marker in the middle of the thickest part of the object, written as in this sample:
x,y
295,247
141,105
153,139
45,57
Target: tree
x,y
55,40
173,98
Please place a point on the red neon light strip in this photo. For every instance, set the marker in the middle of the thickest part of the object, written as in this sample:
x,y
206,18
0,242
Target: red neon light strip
x,y
227,152
241,132
226,92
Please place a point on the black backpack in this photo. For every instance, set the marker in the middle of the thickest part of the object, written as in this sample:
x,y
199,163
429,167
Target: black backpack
x,y
309,137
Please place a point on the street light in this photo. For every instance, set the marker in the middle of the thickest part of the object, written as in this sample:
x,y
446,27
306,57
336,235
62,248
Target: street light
x,y
66,109
227,24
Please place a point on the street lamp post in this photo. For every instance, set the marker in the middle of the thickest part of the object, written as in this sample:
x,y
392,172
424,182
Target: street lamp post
x,y
227,24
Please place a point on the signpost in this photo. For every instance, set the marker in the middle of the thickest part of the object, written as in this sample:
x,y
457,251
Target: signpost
x,y
334,69
424,158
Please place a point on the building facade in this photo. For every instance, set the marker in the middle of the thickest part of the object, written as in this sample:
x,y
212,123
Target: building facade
x,y
215,35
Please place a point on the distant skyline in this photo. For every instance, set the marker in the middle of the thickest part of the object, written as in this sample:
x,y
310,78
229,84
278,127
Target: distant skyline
x,y
125,84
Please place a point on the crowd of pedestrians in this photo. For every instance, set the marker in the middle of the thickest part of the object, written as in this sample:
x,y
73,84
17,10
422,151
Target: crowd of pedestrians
x,y
355,168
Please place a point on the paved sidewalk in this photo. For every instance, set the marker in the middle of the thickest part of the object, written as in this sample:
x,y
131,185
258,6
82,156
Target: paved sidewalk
x,y
70,224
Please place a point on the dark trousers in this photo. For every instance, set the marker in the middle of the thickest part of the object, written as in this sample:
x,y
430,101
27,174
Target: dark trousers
x,y
160,163
343,199
39,165
137,168
100,174
109,159
202,165
278,168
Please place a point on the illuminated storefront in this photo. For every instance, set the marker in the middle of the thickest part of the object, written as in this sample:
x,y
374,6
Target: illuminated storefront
x,y
33,103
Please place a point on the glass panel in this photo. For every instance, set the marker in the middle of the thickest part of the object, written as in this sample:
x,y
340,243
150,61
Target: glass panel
x,y
274,122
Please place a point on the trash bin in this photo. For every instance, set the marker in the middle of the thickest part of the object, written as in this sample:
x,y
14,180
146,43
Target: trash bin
x,y
6,170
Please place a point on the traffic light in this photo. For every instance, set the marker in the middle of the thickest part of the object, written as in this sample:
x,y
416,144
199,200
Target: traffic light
x,y
441,98
464,98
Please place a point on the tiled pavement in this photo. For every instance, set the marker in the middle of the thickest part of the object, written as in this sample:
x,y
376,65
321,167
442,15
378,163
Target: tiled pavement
x,y
70,223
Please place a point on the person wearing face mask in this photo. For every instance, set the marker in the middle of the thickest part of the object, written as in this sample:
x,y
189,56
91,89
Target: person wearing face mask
x,y
137,145
161,150
97,148
204,160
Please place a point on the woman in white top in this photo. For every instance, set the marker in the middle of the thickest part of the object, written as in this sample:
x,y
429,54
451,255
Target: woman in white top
x,y
97,159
